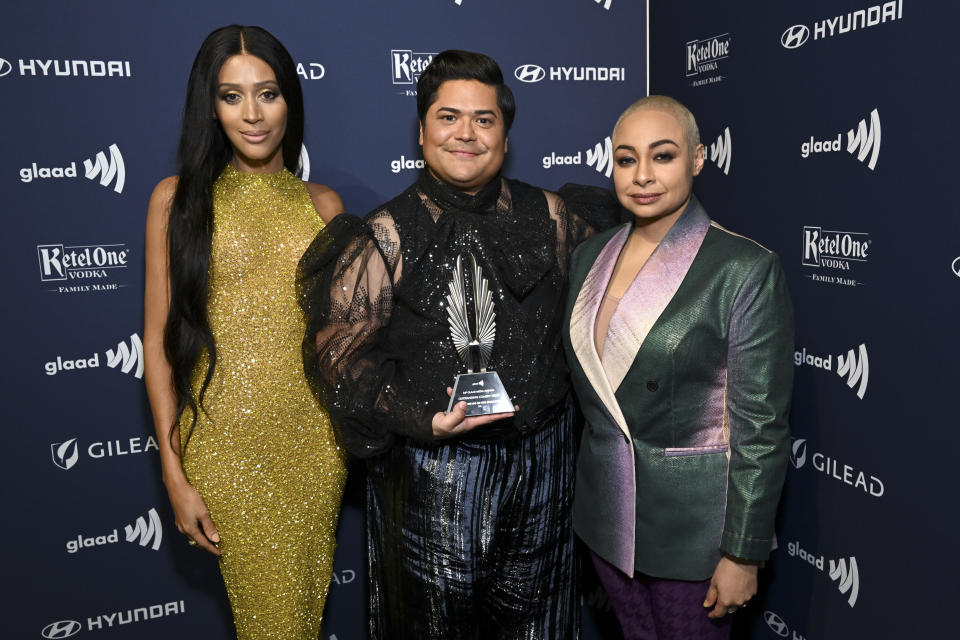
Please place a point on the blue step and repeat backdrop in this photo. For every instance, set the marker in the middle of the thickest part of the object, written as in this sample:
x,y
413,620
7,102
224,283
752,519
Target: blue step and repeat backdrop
x,y
831,131
93,93
831,139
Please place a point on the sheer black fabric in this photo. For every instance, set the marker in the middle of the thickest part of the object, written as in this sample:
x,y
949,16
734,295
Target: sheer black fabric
x,y
378,350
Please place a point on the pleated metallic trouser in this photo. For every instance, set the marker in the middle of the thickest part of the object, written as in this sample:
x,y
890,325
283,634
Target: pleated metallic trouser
x,y
473,540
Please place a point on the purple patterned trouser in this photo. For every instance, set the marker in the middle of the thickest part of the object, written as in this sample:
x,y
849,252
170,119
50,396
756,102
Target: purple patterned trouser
x,y
653,609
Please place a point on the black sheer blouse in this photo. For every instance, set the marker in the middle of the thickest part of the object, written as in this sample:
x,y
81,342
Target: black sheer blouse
x,y
378,350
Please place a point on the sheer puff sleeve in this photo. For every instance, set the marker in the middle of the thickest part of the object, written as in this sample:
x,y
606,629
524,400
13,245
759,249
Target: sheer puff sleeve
x,y
345,285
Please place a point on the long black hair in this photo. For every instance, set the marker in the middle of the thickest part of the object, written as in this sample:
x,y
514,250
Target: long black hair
x,y
203,153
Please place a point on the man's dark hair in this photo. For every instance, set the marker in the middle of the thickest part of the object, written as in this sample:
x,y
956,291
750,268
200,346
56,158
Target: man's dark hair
x,y
454,64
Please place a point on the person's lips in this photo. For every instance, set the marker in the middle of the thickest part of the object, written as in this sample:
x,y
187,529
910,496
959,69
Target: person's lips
x,y
255,136
645,198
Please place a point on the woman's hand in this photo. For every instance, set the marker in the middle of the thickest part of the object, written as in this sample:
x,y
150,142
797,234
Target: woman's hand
x,y
448,425
732,584
192,517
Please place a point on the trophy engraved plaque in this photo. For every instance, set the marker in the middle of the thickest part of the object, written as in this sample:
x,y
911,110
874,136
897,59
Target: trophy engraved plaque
x,y
472,327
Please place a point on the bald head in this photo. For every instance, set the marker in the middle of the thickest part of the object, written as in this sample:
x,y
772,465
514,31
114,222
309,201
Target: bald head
x,y
668,104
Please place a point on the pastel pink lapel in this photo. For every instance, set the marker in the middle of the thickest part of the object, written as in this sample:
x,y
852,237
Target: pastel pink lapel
x,y
583,319
651,291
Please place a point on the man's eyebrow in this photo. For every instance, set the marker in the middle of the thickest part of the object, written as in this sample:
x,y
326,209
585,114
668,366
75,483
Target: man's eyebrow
x,y
478,112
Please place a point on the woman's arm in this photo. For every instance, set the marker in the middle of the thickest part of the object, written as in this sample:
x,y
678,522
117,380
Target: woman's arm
x,y
192,517
759,385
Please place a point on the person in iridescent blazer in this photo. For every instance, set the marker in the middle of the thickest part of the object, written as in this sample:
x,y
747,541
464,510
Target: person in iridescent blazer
x,y
679,337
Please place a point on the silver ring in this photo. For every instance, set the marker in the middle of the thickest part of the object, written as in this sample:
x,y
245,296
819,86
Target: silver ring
x,y
731,610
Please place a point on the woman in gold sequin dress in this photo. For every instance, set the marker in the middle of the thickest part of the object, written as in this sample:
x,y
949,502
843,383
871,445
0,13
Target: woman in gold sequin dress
x,y
250,463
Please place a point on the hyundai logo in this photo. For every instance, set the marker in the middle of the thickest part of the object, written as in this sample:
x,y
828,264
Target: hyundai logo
x,y
956,266
5,67
530,73
798,453
795,36
776,623
61,629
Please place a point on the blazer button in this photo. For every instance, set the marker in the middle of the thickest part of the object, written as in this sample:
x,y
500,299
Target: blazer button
x,y
652,385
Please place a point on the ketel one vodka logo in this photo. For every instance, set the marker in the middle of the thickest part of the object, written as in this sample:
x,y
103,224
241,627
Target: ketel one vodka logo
x,y
83,268
703,56
407,65
106,171
600,157
837,250
854,366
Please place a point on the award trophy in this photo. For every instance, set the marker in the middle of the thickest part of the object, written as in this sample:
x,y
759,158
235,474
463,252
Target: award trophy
x,y
472,328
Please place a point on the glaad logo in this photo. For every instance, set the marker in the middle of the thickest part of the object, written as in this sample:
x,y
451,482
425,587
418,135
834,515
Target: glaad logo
x,y
855,366
605,3
108,171
407,65
530,73
536,73
795,36
66,454
404,163
303,164
861,142
722,150
600,157
846,474
842,571
705,55
128,358
61,629
72,68
864,142
146,532
776,624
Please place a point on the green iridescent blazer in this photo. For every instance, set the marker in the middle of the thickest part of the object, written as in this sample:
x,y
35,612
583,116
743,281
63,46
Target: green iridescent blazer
x,y
686,444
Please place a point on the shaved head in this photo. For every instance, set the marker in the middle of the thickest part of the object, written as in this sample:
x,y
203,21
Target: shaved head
x,y
665,103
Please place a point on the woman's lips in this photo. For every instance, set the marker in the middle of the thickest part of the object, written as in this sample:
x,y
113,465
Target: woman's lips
x,y
255,136
645,198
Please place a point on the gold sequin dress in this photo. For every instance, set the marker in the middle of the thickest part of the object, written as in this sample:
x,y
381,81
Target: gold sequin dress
x,y
263,454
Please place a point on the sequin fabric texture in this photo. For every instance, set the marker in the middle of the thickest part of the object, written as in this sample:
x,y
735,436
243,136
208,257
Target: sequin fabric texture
x,y
262,454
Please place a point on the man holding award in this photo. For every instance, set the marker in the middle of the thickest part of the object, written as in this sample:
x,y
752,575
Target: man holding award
x,y
457,282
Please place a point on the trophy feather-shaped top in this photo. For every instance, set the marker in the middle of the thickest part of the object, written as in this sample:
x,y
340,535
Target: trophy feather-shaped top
x,y
480,333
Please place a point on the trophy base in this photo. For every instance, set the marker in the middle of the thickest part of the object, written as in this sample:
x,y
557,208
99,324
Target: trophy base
x,y
483,392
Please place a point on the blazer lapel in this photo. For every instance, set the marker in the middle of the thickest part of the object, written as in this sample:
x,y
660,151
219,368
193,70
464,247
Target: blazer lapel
x,y
582,324
651,291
